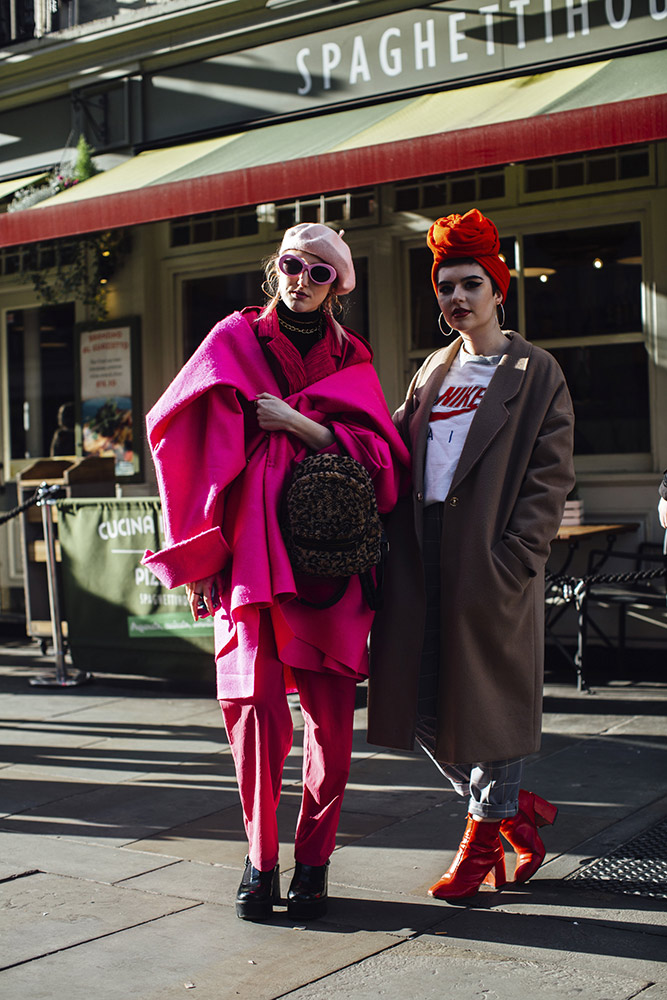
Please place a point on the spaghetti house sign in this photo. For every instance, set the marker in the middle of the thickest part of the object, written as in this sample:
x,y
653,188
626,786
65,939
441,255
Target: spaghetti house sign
x,y
488,37
436,45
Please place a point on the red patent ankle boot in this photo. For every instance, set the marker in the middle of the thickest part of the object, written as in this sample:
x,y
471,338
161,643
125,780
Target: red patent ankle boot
x,y
521,832
480,856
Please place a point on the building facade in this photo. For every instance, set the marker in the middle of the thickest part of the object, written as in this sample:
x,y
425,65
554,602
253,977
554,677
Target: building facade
x,y
216,125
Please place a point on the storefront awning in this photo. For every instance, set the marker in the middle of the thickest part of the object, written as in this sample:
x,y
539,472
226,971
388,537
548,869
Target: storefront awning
x,y
594,106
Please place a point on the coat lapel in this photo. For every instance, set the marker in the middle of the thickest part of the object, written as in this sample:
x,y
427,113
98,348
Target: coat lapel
x,y
493,412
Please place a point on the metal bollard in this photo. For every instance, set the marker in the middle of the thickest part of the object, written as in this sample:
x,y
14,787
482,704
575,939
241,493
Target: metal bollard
x,y
62,678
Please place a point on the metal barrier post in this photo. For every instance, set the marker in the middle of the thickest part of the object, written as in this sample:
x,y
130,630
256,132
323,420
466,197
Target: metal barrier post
x,y
62,677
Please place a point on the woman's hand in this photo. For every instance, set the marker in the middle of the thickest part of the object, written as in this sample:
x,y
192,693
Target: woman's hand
x,y
274,414
203,589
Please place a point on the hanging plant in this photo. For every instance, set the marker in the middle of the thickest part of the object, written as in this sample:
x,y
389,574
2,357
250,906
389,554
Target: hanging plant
x,y
61,178
28,196
83,270
83,165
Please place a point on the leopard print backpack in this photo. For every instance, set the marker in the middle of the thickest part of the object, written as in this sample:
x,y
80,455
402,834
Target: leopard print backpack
x,y
331,525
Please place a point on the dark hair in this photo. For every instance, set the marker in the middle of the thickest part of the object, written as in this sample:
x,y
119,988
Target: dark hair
x,y
453,261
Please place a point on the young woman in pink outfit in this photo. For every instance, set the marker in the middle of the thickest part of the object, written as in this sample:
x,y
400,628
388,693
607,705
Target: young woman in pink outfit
x,y
266,388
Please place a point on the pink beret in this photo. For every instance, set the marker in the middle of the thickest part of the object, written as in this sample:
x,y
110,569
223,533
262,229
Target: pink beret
x,y
327,244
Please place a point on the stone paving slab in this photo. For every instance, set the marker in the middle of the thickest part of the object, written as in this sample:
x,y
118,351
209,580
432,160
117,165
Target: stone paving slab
x,y
567,901
171,747
595,783
21,789
43,913
219,838
603,841
140,711
23,852
590,944
394,785
431,970
135,813
412,852
19,738
207,883
656,992
117,814
109,762
113,723
73,766
214,772
39,704
222,957
646,727
349,907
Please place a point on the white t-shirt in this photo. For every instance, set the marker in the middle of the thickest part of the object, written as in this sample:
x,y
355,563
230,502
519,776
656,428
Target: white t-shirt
x,y
461,393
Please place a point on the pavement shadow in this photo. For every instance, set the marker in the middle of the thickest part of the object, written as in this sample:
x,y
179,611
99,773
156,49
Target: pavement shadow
x,y
486,919
589,704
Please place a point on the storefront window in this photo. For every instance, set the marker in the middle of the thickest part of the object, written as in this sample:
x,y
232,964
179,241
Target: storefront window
x,y
355,305
40,366
609,388
209,299
582,293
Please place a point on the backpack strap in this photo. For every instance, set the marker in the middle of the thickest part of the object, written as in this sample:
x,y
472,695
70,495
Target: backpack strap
x,y
330,601
371,588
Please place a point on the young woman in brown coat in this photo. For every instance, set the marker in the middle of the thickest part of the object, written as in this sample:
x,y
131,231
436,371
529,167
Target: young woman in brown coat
x,y
457,652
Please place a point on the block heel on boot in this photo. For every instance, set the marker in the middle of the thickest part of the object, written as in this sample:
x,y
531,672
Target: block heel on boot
x,y
257,893
307,897
521,832
545,812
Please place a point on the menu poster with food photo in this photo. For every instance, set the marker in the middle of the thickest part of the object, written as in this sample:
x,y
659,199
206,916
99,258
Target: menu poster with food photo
x,y
108,408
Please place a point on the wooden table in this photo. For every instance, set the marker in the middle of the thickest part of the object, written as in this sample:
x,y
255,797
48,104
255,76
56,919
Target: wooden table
x,y
556,606
570,531
573,534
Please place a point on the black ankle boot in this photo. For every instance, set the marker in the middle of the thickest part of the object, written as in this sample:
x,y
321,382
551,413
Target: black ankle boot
x,y
257,892
307,896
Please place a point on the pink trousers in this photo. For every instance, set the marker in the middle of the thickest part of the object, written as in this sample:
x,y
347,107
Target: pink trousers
x,y
260,736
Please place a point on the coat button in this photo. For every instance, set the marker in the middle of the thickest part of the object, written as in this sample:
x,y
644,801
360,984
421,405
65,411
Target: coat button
x,y
453,501
420,497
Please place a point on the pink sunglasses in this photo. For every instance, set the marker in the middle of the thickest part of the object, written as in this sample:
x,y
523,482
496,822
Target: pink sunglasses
x,y
320,274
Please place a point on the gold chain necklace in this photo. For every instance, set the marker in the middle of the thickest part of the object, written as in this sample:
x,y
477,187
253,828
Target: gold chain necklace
x,y
309,330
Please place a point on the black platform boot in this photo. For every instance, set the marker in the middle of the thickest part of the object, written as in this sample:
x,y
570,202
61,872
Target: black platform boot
x,y
307,896
257,892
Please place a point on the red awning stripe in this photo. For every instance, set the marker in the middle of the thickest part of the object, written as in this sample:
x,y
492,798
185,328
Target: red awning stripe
x,y
606,126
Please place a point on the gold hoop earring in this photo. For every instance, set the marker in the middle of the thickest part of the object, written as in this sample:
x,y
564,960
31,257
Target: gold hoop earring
x,y
449,331
502,319
266,288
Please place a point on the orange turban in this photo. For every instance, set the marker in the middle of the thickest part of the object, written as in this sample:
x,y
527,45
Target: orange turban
x,y
471,235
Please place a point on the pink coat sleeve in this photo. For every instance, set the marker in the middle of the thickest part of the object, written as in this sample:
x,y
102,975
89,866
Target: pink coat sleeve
x,y
377,454
362,428
198,451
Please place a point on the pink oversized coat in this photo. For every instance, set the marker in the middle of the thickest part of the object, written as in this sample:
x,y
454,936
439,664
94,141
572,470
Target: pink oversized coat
x,y
221,480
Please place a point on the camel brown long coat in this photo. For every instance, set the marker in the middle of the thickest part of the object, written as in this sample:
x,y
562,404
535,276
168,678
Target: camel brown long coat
x,y
502,512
